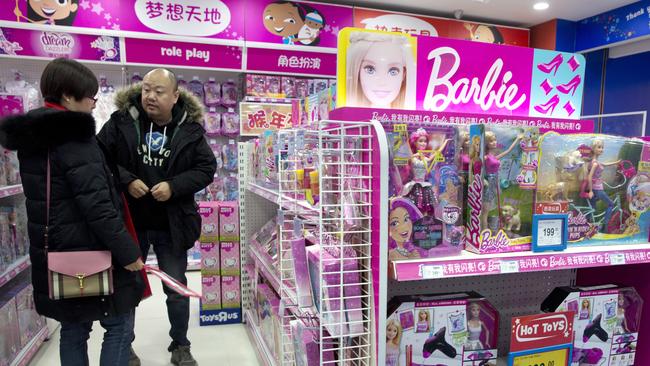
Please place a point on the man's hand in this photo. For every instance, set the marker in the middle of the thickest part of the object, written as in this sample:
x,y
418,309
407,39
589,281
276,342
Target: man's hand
x,y
135,266
138,189
161,192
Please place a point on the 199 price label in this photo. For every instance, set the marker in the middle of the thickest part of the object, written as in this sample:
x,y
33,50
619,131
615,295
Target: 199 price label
x,y
558,357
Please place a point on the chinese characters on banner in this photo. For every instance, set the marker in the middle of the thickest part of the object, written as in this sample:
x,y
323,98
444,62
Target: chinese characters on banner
x,y
289,61
256,118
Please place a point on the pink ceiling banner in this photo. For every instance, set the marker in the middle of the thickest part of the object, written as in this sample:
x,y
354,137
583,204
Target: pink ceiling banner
x,y
200,18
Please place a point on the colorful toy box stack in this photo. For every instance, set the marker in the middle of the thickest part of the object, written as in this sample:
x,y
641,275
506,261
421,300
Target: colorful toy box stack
x,y
601,181
446,329
502,179
426,192
607,322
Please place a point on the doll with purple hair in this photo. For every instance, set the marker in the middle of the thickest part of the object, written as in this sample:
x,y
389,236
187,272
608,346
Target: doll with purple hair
x,y
419,190
402,215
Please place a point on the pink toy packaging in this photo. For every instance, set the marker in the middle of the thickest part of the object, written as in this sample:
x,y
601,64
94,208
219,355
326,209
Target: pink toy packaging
x,y
212,122
230,292
320,85
273,87
230,123
601,181
268,307
211,287
229,94
502,181
306,347
425,192
301,270
228,221
29,321
606,325
289,86
449,329
212,91
230,259
210,264
209,212
255,85
10,340
302,88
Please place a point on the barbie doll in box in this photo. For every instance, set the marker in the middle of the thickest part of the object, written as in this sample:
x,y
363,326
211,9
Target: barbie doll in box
x,y
492,161
393,339
621,321
593,185
419,190
476,328
380,71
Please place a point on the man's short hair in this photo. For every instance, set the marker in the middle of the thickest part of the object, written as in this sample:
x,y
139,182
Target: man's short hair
x,y
67,77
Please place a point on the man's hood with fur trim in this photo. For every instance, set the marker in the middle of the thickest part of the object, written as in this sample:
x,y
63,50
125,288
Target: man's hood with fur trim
x,y
126,99
45,127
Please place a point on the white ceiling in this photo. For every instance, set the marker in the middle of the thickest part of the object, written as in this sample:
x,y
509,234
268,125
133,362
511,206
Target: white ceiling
x,y
508,12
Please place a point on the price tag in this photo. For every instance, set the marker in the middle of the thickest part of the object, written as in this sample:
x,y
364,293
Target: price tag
x,y
432,271
558,357
402,127
509,266
550,232
616,259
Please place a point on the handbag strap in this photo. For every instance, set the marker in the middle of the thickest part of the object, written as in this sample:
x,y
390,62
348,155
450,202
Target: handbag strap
x,y
48,183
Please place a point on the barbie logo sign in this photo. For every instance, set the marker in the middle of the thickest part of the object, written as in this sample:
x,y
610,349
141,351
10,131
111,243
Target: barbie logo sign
x,y
474,195
492,90
59,44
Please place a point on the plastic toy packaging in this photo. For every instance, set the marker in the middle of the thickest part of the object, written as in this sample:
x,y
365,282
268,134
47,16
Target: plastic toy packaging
x,y
213,122
426,192
601,181
215,191
607,322
273,87
196,87
216,149
289,86
136,78
502,179
447,329
256,85
320,85
268,159
231,189
230,156
302,88
212,91
230,123
182,83
229,93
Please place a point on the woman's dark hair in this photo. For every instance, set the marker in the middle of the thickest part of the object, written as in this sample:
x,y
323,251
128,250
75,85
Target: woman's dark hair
x,y
34,16
63,76
498,37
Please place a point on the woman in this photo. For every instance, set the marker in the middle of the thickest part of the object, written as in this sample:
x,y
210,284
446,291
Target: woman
x,y
85,211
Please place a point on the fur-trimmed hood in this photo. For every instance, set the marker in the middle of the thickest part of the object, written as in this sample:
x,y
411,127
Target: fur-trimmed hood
x,y
127,100
45,127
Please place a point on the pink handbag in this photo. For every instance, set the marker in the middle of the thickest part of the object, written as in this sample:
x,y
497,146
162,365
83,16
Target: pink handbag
x,y
76,274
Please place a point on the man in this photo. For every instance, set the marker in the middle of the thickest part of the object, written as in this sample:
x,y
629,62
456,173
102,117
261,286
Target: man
x,y
156,138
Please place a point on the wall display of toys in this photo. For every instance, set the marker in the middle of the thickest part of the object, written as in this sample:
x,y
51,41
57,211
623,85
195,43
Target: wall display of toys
x,y
602,182
273,86
220,263
14,241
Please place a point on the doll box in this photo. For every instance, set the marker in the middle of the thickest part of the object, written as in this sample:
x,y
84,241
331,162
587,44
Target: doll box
x,y
10,340
601,181
268,306
29,322
210,264
230,264
607,321
211,290
228,221
209,212
230,292
502,161
448,329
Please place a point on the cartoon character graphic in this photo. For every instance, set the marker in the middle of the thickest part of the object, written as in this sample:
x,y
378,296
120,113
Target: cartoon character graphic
x,y
55,12
380,71
294,22
484,33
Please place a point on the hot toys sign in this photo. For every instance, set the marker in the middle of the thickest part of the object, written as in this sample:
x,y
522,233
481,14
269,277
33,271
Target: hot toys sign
x,y
544,339
399,71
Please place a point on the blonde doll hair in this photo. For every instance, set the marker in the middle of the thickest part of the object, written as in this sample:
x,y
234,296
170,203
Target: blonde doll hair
x,y
475,147
489,135
360,43
426,313
398,338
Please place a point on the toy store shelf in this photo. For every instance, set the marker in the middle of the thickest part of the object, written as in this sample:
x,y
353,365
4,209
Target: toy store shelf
x,y
27,353
265,264
253,99
263,352
9,191
470,264
288,203
14,270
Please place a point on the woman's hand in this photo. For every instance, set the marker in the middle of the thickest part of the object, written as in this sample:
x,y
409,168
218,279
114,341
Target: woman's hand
x,y
135,266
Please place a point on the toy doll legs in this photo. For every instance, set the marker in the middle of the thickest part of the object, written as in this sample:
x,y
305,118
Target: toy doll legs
x,y
600,195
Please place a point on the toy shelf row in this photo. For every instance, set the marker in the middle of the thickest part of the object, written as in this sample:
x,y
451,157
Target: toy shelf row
x,y
9,191
288,203
254,332
27,353
14,270
471,264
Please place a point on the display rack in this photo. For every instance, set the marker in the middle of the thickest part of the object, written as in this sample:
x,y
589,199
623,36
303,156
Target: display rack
x,y
14,270
10,191
27,353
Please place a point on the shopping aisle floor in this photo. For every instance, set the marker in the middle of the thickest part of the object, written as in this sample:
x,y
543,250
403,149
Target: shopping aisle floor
x,y
224,345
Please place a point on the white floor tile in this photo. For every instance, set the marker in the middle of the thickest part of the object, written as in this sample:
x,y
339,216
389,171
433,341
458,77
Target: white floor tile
x,y
223,345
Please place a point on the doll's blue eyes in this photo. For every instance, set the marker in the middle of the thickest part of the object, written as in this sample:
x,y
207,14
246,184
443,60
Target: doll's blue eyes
x,y
370,70
393,71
